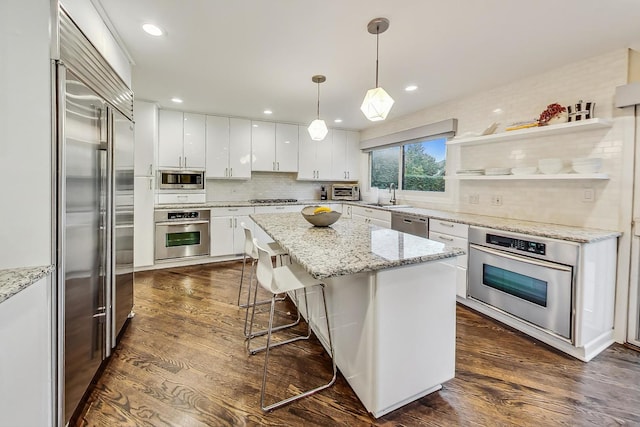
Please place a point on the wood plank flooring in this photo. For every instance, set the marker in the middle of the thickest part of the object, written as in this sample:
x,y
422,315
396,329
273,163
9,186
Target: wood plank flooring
x,y
182,362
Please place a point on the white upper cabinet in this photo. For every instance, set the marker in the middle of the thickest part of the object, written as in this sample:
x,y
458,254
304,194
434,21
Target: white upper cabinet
x,y
181,140
346,155
263,146
146,115
286,147
274,147
314,160
228,148
217,137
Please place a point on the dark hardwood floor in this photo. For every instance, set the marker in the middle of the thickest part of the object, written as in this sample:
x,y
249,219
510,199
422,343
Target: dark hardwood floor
x,y
182,362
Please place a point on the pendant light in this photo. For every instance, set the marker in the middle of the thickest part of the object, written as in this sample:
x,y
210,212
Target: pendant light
x,y
377,102
318,129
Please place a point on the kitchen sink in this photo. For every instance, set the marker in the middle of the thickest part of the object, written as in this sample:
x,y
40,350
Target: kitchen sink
x,y
387,205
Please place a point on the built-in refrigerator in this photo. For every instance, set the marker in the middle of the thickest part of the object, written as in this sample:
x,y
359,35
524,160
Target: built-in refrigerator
x,y
94,213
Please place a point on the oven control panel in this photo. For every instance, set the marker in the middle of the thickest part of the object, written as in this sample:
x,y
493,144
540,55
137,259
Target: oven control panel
x,y
183,215
518,244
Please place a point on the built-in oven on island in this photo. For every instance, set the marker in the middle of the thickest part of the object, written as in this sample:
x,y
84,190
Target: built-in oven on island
x,y
181,233
530,278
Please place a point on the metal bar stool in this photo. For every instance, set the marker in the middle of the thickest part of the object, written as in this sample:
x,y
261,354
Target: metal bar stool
x,y
288,278
250,251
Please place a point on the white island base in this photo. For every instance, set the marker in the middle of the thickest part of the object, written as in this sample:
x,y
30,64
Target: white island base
x,y
394,331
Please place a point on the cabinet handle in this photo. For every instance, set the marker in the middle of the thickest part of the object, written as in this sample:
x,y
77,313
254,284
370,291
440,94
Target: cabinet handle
x,y
185,161
444,224
150,180
225,172
230,172
345,175
348,175
235,222
274,165
179,161
368,210
446,239
279,207
230,222
150,168
278,163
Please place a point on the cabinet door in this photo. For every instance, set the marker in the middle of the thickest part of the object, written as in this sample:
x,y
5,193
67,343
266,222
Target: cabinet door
x,y
238,232
170,137
240,148
286,147
221,235
306,155
143,226
217,138
263,146
338,155
194,141
323,157
145,137
380,222
353,155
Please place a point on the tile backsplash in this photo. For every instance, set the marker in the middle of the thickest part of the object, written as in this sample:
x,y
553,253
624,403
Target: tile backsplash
x,y
263,185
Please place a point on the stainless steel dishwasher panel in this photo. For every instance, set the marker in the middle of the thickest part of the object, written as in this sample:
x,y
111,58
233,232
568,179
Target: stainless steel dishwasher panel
x,y
411,224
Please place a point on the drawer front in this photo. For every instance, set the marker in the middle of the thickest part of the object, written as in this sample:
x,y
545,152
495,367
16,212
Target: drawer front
x,y
176,198
278,209
450,228
461,282
457,242
232,211
371,213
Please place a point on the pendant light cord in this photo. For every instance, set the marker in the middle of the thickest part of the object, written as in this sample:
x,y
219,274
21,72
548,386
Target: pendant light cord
x,y
377,45
318,112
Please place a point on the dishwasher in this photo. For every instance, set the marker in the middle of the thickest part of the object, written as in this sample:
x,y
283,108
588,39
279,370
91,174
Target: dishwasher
x,y
411,224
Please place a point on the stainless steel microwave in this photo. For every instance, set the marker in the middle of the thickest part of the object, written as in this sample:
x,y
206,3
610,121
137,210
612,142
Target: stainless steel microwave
x,y
180,180
345,192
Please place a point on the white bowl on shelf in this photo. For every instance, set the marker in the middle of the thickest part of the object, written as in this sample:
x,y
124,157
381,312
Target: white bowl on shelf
x,y
587,165
531,170
550,166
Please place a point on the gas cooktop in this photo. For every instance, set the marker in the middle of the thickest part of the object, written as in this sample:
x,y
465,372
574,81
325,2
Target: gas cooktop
x,y
273,200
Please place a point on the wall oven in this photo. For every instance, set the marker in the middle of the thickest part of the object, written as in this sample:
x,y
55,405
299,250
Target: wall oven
x,y
531,278
180,180
181,233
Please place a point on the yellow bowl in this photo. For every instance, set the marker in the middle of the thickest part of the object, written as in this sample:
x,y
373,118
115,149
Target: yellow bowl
x,y
322,219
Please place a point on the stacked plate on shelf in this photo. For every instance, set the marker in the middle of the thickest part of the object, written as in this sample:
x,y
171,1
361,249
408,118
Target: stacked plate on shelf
x,y
497,171
470,172
587,165
530,170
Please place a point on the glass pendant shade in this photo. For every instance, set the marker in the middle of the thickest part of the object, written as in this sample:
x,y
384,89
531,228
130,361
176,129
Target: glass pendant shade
x,y
318,130
377,104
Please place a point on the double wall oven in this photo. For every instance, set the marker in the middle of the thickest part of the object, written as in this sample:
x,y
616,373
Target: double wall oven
x,y
181,233
531,278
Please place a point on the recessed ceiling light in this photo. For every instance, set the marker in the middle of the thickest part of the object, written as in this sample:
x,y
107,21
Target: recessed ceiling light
x,y
268,112
338,120
411,88
152,29
176,100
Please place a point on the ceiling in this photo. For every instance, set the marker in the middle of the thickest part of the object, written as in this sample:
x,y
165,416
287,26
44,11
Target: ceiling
x,y
241,57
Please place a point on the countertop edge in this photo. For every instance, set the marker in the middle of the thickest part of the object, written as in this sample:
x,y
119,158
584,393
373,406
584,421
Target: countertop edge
x,y
15,280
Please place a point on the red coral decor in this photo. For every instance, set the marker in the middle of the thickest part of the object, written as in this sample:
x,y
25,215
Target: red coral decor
x,y
551,111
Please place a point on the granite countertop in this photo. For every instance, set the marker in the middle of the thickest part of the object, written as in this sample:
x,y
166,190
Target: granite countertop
x,y
347,246
14,280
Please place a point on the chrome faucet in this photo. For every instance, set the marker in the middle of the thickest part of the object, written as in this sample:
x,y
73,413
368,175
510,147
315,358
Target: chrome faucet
x,y
393,200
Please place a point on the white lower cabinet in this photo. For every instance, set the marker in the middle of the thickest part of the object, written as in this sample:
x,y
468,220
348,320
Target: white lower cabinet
x,y
226,232
457,235
178,198
25,357
377,217
143,226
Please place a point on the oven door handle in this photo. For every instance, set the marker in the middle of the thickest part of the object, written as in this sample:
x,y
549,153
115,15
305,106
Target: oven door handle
x,y
182,223
532,261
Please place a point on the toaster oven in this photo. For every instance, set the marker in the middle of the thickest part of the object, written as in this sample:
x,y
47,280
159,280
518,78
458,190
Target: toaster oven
x,y
345,192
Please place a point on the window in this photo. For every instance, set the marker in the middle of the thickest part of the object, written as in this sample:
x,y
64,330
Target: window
x,y
423,166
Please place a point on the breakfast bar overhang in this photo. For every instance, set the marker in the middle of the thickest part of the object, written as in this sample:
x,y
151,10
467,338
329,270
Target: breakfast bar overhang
x,y
391,299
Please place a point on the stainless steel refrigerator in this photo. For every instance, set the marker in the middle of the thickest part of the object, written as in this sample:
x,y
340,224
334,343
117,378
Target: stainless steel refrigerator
x,y
94,213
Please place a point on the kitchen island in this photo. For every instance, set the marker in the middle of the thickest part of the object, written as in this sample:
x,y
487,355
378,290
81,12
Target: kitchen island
x,y
391,299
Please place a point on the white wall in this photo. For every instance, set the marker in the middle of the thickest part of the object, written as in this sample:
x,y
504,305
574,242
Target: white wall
x,y
25,134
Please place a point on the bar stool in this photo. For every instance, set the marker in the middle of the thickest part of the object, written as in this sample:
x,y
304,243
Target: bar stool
x,y
288,278
274,250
